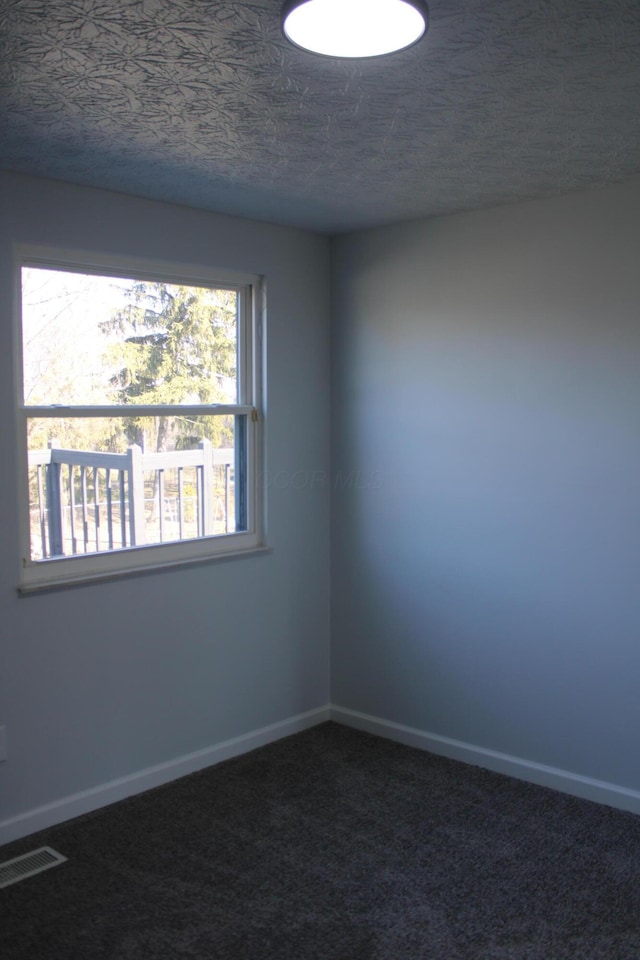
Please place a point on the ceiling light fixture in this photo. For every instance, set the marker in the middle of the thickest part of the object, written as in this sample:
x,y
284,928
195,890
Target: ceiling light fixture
x,y
354,28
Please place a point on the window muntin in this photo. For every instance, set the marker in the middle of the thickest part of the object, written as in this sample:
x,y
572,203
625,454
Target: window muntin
x,y
138,418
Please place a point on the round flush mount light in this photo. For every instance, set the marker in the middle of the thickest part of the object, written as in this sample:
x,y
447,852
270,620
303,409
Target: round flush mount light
x,y
354,28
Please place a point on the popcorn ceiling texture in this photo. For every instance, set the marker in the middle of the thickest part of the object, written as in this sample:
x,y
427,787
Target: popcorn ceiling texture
x,y
206,104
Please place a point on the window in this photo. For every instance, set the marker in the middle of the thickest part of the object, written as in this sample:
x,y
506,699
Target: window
x,y
139,416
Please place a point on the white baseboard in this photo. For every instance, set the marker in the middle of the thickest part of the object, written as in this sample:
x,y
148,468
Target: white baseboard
x,y
40,818
599,791
84,802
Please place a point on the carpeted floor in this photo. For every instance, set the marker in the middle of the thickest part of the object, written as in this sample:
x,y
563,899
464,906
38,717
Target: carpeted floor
x,y
334,845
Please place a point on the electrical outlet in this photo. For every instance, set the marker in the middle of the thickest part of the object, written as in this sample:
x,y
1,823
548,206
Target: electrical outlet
x,y
3,743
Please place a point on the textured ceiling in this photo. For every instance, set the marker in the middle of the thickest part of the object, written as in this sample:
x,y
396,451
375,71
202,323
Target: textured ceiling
x,y
205,103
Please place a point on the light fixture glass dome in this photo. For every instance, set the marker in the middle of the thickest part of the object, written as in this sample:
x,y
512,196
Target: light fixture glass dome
x,y
354,28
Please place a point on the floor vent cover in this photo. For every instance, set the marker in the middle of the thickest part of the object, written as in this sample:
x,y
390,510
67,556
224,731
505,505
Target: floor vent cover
x,y
29,863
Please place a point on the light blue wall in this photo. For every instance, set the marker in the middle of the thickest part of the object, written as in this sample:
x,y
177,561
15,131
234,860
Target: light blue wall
x,y
485,485
486,510
102,681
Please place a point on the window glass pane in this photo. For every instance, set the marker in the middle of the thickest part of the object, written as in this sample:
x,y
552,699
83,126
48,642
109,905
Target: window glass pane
x,y
101,484
98,340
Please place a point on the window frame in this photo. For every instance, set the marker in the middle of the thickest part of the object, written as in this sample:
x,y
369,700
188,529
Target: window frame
x,y
59,571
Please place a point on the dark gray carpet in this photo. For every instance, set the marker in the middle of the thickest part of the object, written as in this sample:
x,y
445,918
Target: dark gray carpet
x,y
334,845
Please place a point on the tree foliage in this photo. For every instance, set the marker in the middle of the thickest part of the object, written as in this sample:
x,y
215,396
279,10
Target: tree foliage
x,y
173,344
59,359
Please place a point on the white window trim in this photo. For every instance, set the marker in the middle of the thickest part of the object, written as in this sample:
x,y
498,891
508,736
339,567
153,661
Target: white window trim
x,y
38,575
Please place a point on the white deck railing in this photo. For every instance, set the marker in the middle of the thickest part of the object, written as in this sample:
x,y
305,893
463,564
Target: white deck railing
x,y
87,501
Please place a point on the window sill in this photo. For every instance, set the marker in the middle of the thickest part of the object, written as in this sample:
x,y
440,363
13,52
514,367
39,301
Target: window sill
x,y
79,580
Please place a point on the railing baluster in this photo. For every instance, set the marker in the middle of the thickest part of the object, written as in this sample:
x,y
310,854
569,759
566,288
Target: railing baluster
x,y
85,518
54,502
160,475
96,505
42,511
180,504
123,512
227,498
135,474
109,507
199,517
207,488
72,511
